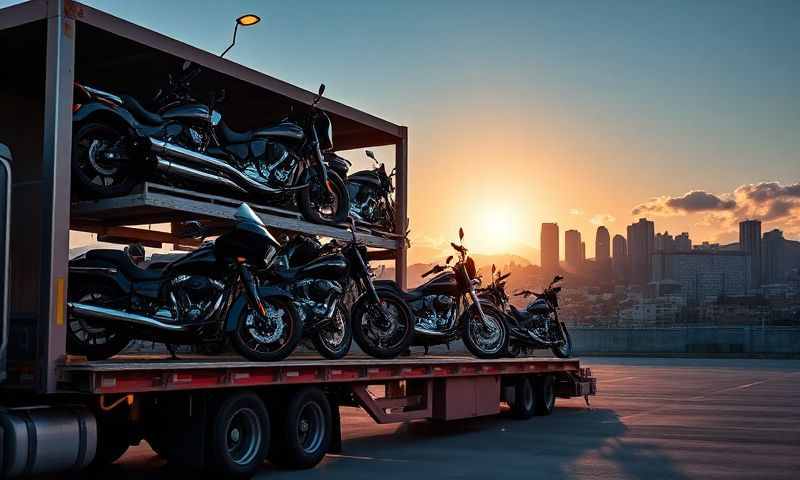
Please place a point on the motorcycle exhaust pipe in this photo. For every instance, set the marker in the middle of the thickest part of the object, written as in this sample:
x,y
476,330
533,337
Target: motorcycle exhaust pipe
x,y
171,168
95,312
430,333
161,147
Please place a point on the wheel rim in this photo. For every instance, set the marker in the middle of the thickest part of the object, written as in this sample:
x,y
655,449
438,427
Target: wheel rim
x,y
84,331
267,334
527,395
549,395
243,436
333,334
325,203
382,334
92,162
311,427
489,336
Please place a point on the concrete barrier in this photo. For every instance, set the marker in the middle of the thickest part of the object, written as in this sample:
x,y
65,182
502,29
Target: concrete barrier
x,y
747,340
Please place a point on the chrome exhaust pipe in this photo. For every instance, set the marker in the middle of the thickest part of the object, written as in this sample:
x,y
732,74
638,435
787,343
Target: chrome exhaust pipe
x,y
431,333
161,147
95,312
171,168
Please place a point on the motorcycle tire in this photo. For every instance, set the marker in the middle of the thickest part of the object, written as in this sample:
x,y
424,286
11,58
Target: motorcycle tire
x,y
472,328
95,177
83,335
565,349
322,341
247,342
360,319
339,203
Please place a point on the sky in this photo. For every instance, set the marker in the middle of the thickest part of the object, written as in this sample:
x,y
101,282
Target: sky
x,y
521,112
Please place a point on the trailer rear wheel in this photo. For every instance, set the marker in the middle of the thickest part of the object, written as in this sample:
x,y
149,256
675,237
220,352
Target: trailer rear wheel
x,y
239,435
112,436
303,436
545,393
524,404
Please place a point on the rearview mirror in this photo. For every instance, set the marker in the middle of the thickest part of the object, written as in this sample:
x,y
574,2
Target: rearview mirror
x,y
449,259
558,278
321,89
460,233
371,155
494,269
192,229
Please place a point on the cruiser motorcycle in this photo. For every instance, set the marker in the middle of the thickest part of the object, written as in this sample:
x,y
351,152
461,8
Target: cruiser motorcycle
x,y
117,143
447,308
204,297
371,195
538,326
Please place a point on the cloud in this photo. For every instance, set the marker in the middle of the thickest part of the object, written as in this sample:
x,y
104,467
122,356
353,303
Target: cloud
x,y
690,202
766,191
602,219
576,211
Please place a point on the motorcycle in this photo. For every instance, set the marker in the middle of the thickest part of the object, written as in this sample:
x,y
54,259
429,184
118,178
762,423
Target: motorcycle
x,y
205,297
447,308
370,195
538,326
320,280
117,143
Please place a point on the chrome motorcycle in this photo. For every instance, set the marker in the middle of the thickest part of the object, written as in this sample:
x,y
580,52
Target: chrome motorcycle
x,y
447,308
538,327
203,298
371,195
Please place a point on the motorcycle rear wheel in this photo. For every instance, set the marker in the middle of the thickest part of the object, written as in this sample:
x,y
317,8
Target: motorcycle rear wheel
x,y
88,338
93,174
317,208
254,343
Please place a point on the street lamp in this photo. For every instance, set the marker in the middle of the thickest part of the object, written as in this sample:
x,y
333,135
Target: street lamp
x,y
247,20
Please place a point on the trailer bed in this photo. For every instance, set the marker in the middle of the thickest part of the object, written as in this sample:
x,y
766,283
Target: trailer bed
x,y
137,374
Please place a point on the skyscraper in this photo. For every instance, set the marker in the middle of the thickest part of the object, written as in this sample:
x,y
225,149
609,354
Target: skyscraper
x,y
602,245
664,242
772,255
549,247
750,242
683,243
572,249
641,244
619,250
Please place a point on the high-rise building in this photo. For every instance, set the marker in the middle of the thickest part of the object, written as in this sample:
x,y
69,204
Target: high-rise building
x,y
641,244
772,255
583,252
750,242
664,242
602,245
619,252
549,247
572,249
704,274
683,243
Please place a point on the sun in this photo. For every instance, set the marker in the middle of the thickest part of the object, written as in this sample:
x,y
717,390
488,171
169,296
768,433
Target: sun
x,y
498,231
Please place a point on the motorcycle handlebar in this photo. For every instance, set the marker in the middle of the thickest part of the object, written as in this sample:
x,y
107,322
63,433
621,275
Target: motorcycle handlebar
x,y
435,269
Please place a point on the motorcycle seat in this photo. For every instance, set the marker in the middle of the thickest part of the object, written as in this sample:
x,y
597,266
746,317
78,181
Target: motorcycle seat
x,y
287,130
139,112
232,136
517,314
121,260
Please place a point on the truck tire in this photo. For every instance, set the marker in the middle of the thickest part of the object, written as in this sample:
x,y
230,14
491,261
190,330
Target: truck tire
x,y
303,436
545,394
112,436
239,435
523,406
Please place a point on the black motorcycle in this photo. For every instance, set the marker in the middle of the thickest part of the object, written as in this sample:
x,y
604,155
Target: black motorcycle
x,y
538,327
117,143
205,297
447,308
371,196
324,276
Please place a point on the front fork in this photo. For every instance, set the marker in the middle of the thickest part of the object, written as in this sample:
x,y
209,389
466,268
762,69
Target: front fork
x,y
476,301
251,290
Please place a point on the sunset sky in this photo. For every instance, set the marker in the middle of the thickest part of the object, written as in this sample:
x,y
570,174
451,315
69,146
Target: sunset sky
x,y
532,111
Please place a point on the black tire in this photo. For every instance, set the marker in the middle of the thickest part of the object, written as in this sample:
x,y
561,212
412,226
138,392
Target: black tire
x,y
545,394
112,436
93,174
88,338
303,434
363,321
333,341
483,342
239,435
249,340
565,349
337,207
523,406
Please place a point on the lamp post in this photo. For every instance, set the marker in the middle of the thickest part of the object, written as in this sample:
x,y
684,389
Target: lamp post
x,y
247,20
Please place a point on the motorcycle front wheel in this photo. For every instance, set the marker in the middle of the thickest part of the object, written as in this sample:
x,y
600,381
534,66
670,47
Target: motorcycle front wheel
x,y
485,340
268,339
382,337
333,339
563,350
318,205
101,166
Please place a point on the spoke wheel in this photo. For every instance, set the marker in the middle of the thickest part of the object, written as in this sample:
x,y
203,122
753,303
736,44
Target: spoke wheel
x,y
385,329
487,339
92,339
333,339
270,338
101,165
320,205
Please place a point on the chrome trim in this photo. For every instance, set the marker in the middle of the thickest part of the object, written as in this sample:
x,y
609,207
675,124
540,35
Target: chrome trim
x,y
161,147
168,167
111,314
111,270
99,93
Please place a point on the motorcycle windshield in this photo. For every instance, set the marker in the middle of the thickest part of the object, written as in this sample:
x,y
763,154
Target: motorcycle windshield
x,y
246,214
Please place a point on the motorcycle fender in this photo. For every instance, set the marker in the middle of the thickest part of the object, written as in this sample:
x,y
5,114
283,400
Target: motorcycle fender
x,y
106,272
119,114
241,302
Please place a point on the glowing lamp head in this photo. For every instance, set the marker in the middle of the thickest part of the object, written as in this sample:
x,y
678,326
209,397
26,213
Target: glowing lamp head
x,y
248,20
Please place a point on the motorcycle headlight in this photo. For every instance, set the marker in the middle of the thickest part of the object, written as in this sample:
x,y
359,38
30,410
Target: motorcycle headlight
x,y
269,258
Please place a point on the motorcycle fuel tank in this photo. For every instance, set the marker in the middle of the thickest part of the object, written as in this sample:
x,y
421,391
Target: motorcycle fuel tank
x,y
329,267
203,260
193,112
443,284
